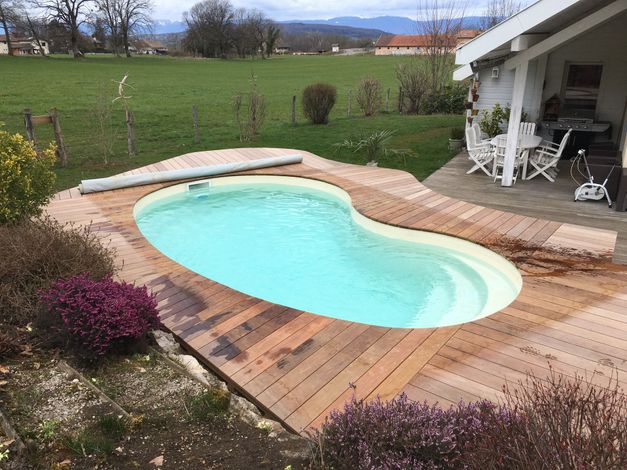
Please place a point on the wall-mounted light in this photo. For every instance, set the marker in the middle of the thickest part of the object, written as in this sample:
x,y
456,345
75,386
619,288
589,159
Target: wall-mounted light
x,y
495,72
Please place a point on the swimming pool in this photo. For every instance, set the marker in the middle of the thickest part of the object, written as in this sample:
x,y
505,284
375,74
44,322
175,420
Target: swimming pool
x,y
300,243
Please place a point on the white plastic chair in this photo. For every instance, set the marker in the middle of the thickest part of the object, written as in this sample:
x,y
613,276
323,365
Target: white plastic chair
x,y
478,135
546,157
480,153
499,159
527,128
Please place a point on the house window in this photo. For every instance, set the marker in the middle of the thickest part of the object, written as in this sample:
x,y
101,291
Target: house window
x,y
580,90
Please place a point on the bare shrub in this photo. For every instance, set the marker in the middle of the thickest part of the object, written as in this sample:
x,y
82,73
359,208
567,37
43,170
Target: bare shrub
x,y
105,134
37,253
370,95
318,101
414,78
250,112
560,423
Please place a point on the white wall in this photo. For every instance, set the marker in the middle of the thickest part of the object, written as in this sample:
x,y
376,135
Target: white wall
x,y
4,49
607,45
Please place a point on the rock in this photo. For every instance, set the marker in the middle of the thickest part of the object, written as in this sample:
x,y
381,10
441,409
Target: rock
x,y
166,342
245,410
302,453
157,461
196,370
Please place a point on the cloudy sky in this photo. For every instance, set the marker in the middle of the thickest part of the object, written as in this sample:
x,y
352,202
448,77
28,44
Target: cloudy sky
x,y
310,9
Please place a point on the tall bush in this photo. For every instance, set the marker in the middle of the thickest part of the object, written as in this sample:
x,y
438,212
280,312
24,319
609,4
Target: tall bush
x,y
415,82
100,317
450,99
370,95
26,178
318,101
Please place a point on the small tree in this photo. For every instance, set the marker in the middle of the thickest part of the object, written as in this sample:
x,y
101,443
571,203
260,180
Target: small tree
x,y
415,80
250,112
102,116
370,95
26,178
318,101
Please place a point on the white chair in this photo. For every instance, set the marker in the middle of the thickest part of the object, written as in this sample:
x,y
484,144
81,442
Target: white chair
x,y
478,135
527,128
546,157
499,159
480,153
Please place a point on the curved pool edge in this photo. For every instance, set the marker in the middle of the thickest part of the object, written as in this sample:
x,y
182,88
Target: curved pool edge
x,y
495,301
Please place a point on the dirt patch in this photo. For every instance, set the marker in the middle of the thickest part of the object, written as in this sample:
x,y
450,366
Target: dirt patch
x,y
174,422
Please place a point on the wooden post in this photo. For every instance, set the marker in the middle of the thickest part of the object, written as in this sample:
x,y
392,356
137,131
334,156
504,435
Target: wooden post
x,y
400,100
28,122
131,133
56,125
350,102
387,101
294,109
196,130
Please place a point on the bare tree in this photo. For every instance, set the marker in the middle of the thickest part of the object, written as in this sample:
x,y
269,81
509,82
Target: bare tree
x,y
68,13
34,26
210,26
441,21
248,33
134,16
497,11
108,12
8,15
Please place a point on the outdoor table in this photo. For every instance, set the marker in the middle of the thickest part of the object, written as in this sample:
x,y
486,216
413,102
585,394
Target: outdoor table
x,y
526,142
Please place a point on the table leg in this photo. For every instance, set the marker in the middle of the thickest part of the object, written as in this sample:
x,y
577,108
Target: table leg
x,y
525,161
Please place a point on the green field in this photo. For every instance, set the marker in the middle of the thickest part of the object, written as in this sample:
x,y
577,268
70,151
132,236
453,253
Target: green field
x,y
166,88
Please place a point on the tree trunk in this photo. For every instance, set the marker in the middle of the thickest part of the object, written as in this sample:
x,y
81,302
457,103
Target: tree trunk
x,y
6,29
74,45
36,36
126,44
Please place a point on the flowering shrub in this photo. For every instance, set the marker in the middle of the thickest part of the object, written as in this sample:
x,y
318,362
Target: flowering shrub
x,y
26,178
401,434
101,316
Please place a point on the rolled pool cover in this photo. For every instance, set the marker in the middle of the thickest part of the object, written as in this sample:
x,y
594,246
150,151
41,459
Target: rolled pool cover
x,y
118,182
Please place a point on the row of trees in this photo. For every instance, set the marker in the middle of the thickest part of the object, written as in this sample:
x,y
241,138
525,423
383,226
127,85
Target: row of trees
x,y
113,20
216,29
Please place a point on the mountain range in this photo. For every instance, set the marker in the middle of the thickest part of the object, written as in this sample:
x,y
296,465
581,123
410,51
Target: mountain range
x,y
376,25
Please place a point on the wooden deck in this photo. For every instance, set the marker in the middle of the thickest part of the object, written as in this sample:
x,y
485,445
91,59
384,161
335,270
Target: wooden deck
x,y
297,366
535,198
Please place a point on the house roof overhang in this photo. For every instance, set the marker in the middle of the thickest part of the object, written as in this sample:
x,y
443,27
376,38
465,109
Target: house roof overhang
x,y
529,28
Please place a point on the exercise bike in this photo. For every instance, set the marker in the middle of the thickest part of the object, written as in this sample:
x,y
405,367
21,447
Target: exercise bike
x,y
589,191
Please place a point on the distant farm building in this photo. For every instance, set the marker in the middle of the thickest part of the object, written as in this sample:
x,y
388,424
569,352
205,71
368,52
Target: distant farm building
x,y
419,44
335,48
150,47
282,48
22,46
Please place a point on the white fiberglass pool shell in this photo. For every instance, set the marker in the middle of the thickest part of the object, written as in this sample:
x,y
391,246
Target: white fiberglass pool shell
x,y
157,216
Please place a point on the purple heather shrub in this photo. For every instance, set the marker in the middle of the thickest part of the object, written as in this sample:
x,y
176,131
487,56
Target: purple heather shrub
x,y
101,316
402,434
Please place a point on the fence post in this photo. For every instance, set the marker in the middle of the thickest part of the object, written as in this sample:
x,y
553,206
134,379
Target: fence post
x,y
131,133
28,122
400,100
294,109
196,130
350,102
387,101
56,125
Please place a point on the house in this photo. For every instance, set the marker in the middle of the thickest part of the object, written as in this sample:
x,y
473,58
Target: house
x,y
22,46
407,44
282,48
562,63
335,48
466,35
150,47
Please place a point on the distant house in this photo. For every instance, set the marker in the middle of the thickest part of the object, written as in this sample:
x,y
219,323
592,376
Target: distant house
x,y
335,48
466,35
282,48
409,44
150,47
22,46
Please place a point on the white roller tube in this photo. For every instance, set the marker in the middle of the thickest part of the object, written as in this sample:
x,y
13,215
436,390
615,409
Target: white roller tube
x,y
118,182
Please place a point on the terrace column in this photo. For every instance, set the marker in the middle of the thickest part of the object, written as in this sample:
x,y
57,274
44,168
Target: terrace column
x,y
520,80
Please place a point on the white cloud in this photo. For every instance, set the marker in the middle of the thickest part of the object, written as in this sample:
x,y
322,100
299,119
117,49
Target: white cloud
x,y
310,9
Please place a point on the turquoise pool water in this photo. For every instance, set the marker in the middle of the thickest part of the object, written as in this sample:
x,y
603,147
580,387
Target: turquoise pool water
x,y
302,248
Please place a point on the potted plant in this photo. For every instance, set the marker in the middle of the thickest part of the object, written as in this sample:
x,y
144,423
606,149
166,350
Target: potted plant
x,y
456,139
373,147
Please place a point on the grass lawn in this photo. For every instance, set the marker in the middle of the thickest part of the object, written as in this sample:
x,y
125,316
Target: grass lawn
x,y
166,88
